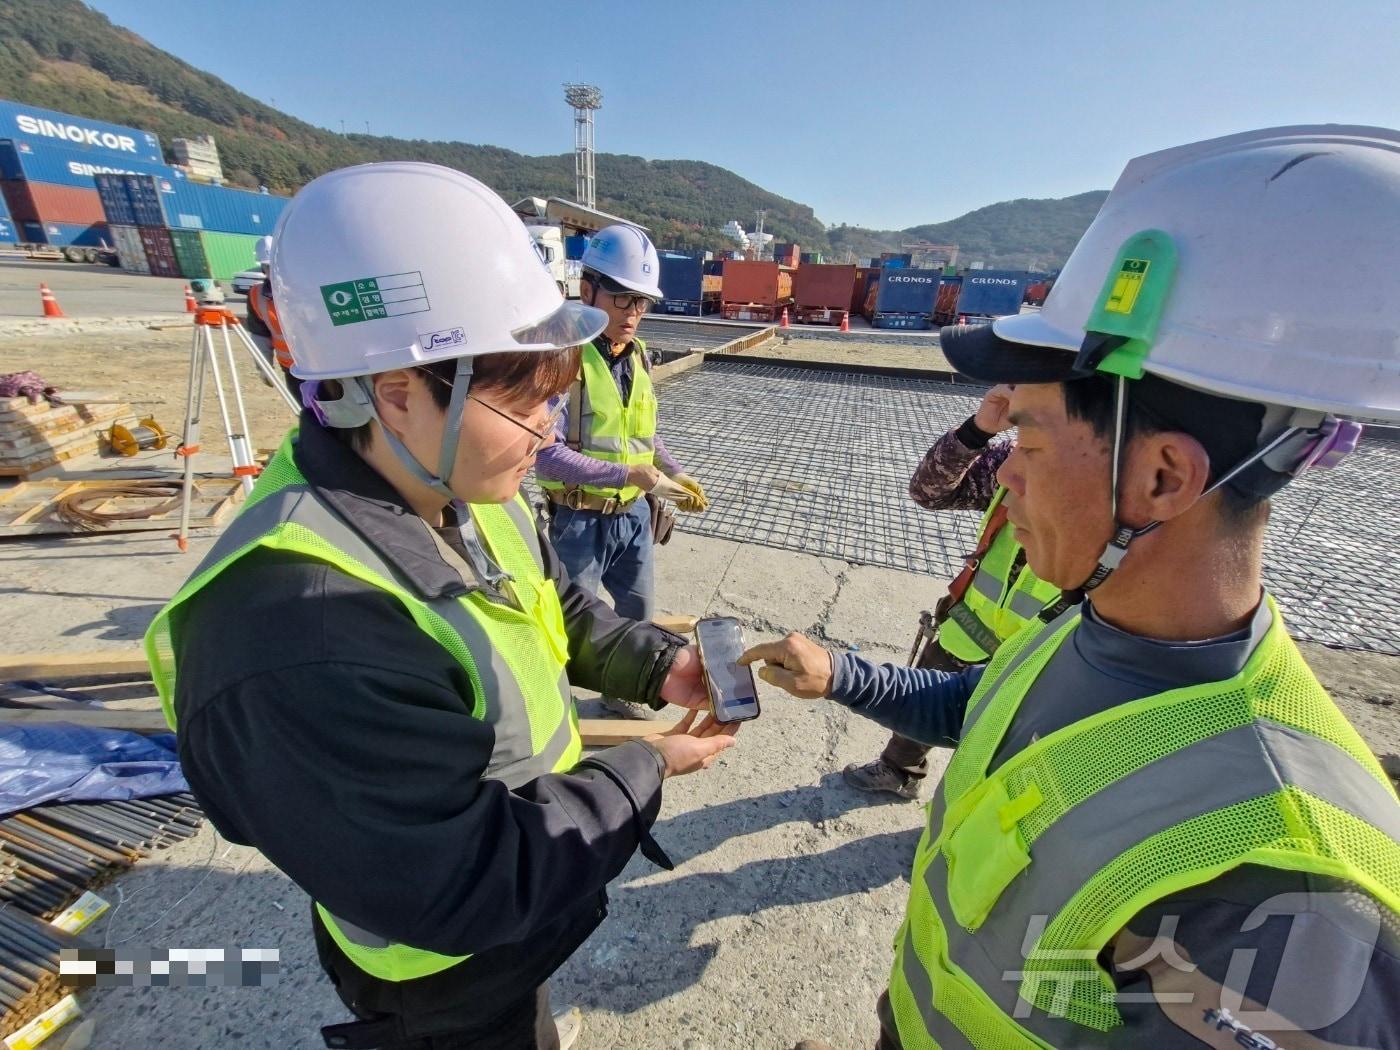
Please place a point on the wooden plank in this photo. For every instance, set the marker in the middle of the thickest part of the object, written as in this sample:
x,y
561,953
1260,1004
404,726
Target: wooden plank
x,y
678,624
596,732
72,665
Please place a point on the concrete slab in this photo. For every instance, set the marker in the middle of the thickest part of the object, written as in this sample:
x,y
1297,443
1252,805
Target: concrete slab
x,y
880,607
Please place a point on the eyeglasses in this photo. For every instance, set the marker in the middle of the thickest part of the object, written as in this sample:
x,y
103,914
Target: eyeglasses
x,y
626,301
541,437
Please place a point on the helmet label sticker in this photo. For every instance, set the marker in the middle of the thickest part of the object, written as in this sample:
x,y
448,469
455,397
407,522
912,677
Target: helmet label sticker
x,y
1127,285
372,298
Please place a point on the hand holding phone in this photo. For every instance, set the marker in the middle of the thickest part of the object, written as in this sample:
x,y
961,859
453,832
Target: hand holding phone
x,y
732,688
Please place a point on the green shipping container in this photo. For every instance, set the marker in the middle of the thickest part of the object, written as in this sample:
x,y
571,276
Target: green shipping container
x,y
189,254
228,253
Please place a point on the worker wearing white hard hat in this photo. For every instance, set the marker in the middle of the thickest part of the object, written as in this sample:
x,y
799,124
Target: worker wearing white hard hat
x,y
610,476
371,669
1157,829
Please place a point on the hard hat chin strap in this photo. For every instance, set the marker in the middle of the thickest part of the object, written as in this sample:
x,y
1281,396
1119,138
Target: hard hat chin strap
x,y
1294,449
451,431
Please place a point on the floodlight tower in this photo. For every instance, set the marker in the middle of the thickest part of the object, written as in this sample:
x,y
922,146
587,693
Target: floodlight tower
x,y
585,99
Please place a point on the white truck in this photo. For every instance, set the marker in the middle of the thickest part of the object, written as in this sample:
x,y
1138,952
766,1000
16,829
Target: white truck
x,y
549,242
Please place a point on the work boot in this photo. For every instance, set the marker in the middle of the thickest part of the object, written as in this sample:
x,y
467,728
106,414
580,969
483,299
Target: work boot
x,y
629,709
879,776
568,1022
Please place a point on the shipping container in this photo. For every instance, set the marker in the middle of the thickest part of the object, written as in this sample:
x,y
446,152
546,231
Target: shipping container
x,y
8,233
896,258
905,298
189,254
131,253
754,291
945,310
51,128
685,288
63,234
574,246
116,202
46,202
822,293
40,162
160,252
228,253
811,257
864,276
182,204
992,293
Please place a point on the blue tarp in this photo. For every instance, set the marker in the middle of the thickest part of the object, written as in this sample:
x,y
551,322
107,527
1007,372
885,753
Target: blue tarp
x,y
66,763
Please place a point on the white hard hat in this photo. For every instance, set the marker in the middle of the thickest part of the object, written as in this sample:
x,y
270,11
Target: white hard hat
x,y
262,250
384,266
625,255
1260,267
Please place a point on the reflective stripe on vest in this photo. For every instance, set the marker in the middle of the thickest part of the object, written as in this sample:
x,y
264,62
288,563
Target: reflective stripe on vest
x,y
608,429
994,607
514,657
266,309
1092,823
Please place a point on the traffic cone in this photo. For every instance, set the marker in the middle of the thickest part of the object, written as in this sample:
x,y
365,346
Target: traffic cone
x,y
845,322
190,306
51,308
783,323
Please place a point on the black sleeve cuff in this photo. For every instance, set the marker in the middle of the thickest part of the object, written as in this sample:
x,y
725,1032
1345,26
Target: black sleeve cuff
x,y
660,668
971,435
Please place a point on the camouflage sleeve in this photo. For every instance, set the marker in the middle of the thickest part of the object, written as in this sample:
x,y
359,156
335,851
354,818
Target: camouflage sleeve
x,y
953,476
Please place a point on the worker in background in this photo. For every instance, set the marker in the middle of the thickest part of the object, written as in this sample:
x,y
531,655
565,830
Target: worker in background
x,y
262,321
991,599
1157,829
608,455
370,670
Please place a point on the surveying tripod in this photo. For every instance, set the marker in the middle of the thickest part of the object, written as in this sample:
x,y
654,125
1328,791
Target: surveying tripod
x,y
204,354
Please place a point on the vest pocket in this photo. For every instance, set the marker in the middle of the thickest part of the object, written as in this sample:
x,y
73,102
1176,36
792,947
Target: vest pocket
x,y
986,851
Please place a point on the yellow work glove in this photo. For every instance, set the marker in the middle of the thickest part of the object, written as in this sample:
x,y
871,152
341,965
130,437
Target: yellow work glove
x,y
664,488
698,501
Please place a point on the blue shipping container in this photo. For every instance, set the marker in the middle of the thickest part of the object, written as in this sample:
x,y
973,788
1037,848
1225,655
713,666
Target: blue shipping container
x,y
574,246
682,277
992,293
905,291
7,225
41,162
18,121
116,201
184,205
62,234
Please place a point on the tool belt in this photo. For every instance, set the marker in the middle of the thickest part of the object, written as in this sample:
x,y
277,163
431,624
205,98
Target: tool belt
x,y
577,499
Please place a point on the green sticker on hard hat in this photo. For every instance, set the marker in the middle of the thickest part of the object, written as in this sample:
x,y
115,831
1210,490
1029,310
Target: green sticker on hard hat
x,y
1133,298
373,298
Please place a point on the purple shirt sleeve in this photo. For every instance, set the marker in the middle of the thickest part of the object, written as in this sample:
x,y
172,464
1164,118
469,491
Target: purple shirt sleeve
x,y
663,459
560,463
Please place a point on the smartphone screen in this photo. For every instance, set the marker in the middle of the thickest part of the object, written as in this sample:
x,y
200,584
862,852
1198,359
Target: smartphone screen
x,y
733,692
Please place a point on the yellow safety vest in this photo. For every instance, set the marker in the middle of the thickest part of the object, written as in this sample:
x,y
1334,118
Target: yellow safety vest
x,y
601,426
1098,820
513,653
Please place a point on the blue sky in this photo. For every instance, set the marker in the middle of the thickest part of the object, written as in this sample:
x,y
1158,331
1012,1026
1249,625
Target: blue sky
x,y
874,113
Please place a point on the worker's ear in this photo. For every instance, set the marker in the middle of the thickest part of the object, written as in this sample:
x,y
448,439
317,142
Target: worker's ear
x,y
586,292
392,396
1167,472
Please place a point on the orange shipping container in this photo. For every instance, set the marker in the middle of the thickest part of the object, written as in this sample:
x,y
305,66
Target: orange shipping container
x,y
50,202
754,282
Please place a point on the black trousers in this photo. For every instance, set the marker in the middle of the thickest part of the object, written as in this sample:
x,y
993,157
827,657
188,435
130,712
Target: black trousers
x,y
909,756
484,1023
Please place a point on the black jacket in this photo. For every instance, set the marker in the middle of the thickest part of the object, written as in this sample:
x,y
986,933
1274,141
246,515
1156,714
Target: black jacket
x,y
318,723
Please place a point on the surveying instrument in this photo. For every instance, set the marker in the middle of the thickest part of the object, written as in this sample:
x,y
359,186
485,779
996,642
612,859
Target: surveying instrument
x,y
211,315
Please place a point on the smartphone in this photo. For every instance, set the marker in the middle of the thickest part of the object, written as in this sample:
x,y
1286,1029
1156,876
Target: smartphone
x,y
733,690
